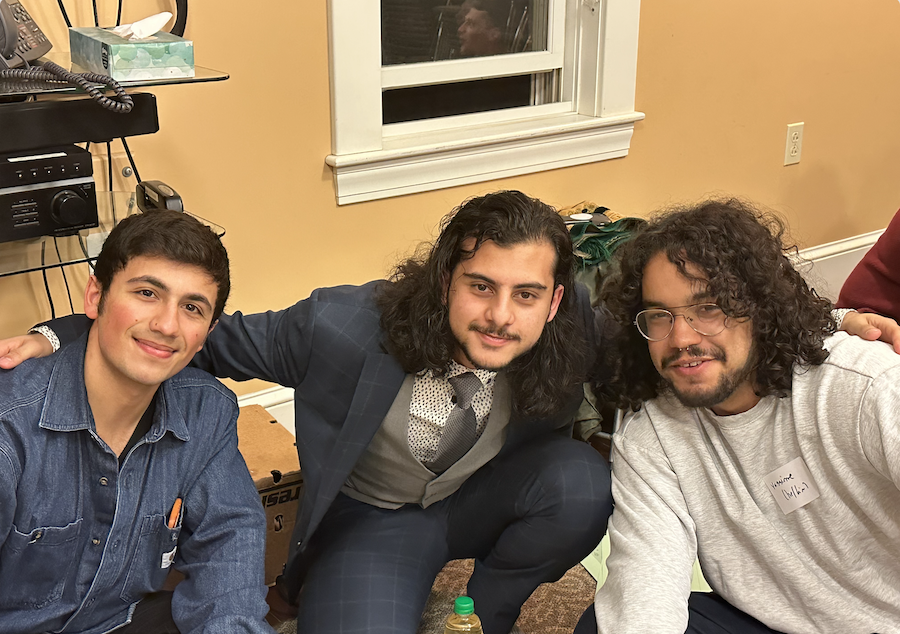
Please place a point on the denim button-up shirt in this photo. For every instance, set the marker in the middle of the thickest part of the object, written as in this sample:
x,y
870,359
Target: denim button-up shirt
x,y
83,540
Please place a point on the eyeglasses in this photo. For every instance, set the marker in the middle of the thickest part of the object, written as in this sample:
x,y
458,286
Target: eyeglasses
x,y
655,324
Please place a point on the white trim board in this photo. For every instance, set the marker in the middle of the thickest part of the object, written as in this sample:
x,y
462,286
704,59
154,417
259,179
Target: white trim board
x,y
827,266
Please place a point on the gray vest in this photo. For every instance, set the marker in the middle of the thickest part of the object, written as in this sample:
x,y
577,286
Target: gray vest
x,y
388,475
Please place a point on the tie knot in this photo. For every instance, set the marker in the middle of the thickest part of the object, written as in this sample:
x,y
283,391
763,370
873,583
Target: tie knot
x,y
465,385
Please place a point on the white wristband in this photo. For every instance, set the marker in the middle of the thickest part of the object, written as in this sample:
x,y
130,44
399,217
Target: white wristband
x,y
838,315
48,333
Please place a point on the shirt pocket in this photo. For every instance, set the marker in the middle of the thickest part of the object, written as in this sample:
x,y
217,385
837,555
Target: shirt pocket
x,y
37,565
149,568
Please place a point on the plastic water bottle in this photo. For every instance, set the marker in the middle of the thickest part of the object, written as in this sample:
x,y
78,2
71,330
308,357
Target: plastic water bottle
x,y
463,618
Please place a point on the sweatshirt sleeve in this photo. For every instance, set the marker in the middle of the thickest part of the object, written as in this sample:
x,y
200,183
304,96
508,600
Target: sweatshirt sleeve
x,y
652,540
880,425
874,285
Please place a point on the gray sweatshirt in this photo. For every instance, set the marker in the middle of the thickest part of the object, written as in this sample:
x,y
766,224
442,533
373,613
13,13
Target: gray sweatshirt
x,y
688,483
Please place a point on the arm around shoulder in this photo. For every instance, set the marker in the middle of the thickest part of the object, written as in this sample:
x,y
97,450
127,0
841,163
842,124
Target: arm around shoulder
x,y
44,339
273,346
15,350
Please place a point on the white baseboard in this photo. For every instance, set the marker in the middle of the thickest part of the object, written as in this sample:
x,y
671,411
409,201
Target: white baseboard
x,y
827,266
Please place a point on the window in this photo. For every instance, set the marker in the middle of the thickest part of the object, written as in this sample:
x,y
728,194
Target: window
x,y
434,93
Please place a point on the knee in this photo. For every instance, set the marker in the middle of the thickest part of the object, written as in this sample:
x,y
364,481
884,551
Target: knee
x,y
576,478
571,467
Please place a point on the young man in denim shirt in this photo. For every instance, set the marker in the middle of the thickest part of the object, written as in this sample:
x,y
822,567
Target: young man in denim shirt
x,y
117,464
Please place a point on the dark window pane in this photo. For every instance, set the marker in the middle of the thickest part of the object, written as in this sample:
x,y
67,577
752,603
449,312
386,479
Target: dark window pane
x,y
429,30
428,102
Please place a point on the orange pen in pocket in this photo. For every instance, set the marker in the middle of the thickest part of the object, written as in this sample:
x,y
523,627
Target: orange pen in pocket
x,y
176,512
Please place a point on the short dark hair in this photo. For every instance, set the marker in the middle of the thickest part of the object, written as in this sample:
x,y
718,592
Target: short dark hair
x,y
172,235
498,10
746,268
415,317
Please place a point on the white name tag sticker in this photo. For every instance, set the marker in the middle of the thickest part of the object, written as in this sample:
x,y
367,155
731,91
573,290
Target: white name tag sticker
x,y
168,558
792,486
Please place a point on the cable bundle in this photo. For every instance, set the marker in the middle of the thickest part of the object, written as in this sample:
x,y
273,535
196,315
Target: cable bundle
x,y
49,71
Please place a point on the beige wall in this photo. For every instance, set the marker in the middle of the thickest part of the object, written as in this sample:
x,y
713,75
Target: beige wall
x,y
718,81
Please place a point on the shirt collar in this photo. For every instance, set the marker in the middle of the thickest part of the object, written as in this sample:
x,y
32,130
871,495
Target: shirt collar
x,y
485,376
66,407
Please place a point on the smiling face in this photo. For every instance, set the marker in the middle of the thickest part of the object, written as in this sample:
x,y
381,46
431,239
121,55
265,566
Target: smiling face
x,y
152,320
703,371
499,301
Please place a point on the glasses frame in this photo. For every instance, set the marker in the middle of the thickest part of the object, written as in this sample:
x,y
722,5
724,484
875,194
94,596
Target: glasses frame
x,y
687,319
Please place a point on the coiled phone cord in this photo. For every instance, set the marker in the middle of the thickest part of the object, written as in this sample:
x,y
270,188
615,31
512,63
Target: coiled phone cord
x,y
49,71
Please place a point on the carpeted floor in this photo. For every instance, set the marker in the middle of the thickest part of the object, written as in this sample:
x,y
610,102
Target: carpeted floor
x,y
554,608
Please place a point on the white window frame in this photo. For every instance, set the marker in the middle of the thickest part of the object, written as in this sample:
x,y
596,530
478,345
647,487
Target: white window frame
x,y
594,121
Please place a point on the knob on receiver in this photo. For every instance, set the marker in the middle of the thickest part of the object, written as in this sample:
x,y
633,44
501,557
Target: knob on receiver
x,y
68,208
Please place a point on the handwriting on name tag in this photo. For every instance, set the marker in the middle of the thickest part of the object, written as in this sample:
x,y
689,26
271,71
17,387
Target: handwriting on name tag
x,y
792,486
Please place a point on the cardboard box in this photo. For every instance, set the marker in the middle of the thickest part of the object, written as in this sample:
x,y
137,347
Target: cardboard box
x,y
270,454
161,56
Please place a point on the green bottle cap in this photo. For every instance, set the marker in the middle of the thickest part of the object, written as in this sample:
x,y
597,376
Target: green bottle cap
x,y
463,606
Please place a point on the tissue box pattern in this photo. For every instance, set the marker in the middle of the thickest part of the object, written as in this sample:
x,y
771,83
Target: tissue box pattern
x,y
161,56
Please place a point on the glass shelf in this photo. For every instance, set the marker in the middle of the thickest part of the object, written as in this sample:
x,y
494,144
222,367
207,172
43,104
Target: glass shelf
x,y
13,88
40,254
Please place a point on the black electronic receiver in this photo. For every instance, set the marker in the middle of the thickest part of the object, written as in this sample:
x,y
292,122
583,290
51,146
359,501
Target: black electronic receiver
x,y
46,193
21,40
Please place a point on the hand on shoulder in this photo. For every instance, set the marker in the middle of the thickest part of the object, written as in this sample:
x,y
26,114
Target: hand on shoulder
x,y
871,327
15,350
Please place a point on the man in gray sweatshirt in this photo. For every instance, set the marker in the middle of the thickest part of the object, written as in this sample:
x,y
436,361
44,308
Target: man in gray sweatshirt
x,y
761,443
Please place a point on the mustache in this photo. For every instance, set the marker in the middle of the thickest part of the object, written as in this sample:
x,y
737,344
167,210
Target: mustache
x,y
692,352
502,333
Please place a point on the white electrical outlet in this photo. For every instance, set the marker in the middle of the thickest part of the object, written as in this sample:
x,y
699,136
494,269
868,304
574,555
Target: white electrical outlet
x,y
793,143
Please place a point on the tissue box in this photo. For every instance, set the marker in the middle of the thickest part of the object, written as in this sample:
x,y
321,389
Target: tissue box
x,y
162,56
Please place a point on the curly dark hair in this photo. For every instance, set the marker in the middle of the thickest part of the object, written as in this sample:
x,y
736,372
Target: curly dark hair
x,y
746,268
415,317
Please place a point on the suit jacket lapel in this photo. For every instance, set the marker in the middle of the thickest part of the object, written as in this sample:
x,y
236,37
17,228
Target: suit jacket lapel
x,y
379,382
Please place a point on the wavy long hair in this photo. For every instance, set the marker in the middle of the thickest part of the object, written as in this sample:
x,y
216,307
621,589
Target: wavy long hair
x,y
415,316
745,266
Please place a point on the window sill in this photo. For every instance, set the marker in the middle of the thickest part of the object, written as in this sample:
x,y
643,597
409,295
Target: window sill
x,y
424,162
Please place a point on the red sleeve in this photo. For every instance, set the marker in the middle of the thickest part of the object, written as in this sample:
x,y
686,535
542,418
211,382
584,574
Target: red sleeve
x,y
874,285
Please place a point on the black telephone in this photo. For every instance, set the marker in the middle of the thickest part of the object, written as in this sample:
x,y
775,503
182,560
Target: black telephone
x,y
21,40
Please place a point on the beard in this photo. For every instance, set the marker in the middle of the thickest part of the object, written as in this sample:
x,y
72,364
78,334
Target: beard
x,y
496,332
726,386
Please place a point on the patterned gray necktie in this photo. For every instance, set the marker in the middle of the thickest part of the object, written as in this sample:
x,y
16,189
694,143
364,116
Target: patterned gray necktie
x,y
460,429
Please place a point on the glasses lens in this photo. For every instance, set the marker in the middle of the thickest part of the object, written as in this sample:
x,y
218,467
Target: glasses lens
x,y
654,324
707,319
